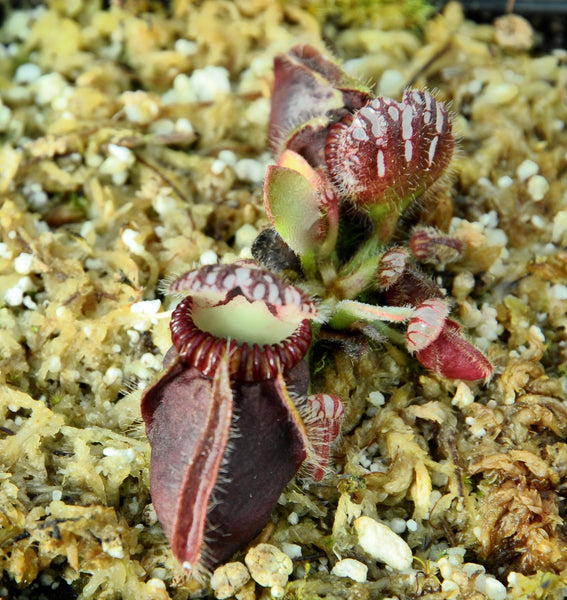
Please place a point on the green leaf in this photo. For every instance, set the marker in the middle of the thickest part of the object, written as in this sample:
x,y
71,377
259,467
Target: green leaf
x,y
293,208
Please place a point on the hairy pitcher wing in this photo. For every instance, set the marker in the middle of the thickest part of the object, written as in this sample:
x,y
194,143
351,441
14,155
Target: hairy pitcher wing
x,y
188,418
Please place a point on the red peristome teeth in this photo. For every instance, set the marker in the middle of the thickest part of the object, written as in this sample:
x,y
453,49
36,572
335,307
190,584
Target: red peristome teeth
x,y
388,150
204,351
255,284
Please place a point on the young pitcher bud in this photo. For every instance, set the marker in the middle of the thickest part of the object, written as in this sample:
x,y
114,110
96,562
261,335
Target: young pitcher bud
x,y
388,151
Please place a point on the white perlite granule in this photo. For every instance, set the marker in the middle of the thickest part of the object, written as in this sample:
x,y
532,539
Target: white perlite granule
x,y
382,544
349,567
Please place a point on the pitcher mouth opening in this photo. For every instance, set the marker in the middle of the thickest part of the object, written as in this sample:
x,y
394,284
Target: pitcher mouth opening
x,y
261,322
